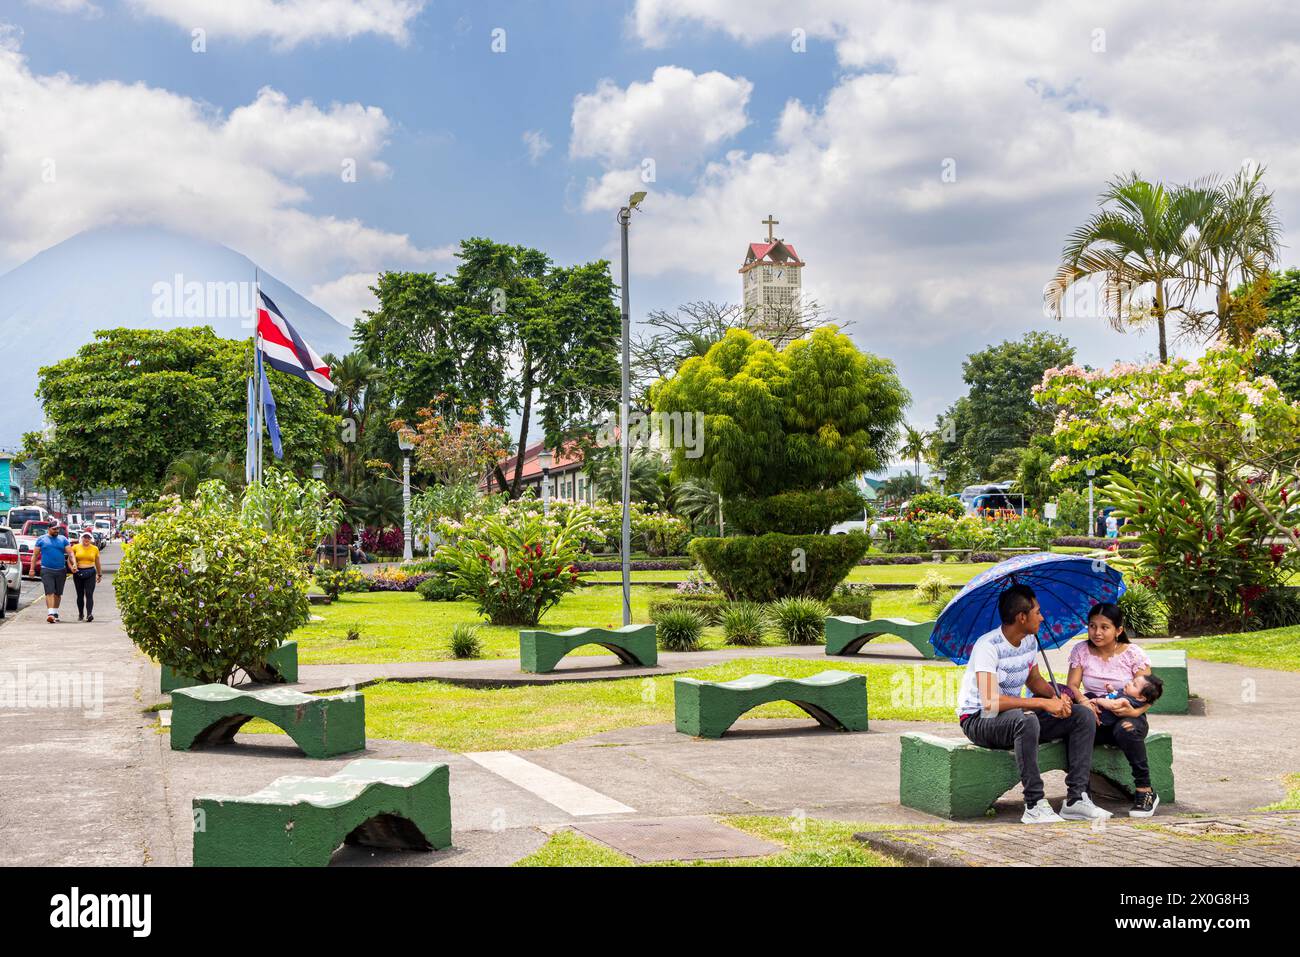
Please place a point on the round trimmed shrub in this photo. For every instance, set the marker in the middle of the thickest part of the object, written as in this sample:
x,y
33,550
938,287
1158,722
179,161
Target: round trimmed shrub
x,y
678,628
796,513
205,594
438,588
853,598
764,568
801,621
744,623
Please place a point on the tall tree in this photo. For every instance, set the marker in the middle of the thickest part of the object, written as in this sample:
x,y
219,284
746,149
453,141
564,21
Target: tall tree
x,y
1238,244
998,415
1280,357
508,330
1141,239
914,446
130,402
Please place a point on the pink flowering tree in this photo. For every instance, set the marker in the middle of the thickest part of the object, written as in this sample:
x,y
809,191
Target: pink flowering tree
x,y
1213,452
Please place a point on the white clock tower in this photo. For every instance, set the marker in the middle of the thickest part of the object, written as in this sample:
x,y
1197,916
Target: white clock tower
x,y
772,282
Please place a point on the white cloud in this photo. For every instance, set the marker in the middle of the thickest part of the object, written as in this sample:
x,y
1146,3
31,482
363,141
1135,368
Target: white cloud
x,y
1033,116
346,297
676,119
538,145
81,155
288,22
82,7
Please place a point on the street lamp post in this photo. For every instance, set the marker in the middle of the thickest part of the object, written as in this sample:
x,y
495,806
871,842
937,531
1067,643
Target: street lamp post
x,y
624,218
544,459
318,473
406,442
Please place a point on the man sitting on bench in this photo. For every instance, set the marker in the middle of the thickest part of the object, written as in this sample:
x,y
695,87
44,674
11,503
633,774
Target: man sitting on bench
x,y
994,715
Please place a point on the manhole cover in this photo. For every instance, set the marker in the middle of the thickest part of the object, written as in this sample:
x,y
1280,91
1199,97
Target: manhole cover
x,y
676,839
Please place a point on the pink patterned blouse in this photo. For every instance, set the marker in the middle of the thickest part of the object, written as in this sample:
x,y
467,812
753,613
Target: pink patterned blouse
x,y
1097,671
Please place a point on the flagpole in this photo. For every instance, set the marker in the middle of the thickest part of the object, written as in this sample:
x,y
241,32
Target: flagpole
x,y
258,373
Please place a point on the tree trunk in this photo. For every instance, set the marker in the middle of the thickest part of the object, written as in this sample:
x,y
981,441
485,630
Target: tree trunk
x,y
523,425
1219,482
1160,320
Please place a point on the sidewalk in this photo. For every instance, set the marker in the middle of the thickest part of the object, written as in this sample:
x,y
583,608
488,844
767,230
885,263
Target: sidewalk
x,y
82,781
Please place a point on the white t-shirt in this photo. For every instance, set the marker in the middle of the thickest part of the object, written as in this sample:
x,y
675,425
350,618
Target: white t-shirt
x,y
997,656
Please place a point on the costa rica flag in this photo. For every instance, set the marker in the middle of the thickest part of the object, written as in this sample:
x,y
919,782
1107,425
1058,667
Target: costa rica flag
x,y
285,350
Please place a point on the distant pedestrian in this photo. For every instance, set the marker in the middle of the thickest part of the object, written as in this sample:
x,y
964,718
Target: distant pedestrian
x,y
87,575
53,559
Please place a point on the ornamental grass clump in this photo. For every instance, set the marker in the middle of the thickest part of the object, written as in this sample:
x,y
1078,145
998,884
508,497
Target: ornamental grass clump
x,y
801,621
465,641
679,628
744,623
933,591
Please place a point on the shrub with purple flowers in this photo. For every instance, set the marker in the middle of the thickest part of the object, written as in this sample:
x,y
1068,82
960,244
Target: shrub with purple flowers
x,y
207,595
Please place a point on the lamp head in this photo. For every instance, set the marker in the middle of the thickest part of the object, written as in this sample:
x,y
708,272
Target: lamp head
x,y
406,440
545,458
318,471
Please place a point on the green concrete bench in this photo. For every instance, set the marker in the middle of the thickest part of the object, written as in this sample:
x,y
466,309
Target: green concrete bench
x,y
300,821
706,709
1170,667
541,651
322,726
845,635
952,778
281,665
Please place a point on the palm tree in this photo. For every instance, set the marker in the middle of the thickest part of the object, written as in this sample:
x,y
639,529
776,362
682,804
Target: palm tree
x,y
914,446
191,469
1238,243
698,503
1145,238
355,380
377,505
605,470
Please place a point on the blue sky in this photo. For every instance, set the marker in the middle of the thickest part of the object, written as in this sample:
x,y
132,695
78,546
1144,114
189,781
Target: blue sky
x,y
1034,105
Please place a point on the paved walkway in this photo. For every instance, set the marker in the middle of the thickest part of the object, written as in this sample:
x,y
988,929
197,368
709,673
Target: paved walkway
x,y
94,785
1249,840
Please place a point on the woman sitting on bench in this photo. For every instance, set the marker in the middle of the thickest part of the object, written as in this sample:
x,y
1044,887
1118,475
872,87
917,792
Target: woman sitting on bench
x,y
1107,662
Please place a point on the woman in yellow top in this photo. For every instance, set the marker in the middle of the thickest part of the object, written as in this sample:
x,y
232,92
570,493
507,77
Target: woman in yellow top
x,y
89,572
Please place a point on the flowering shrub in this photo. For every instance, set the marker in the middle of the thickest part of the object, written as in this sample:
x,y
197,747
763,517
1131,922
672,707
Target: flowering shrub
x,y
206,594
396,579
697,583
518,567
932,503
1207,572
343,580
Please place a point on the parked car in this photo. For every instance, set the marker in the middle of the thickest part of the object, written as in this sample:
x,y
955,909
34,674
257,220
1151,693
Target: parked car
x,y
31,531
11,572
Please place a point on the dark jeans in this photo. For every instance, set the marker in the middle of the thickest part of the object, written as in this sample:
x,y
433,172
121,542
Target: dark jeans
x,y
1130,736
1022,731
84,581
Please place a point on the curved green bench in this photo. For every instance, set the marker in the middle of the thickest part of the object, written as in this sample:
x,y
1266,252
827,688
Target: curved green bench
x,y
1170,666
300,821
952,778
845,634
322,726
541,651
280,666
706,709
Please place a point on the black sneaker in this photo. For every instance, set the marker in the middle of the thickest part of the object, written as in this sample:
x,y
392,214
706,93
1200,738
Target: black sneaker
x,y
1144,804
80,617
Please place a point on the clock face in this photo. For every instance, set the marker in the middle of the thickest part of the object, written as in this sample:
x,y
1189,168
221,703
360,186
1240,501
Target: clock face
x,y
780,273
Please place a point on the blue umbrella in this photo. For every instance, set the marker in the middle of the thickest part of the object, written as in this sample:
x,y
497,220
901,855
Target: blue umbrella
x,y
1067,587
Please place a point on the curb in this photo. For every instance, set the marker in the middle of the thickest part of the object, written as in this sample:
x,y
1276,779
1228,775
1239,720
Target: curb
x,y
906,851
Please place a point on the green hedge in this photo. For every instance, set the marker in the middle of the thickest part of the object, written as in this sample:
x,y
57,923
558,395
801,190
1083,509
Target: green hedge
x,y
795,513
767,567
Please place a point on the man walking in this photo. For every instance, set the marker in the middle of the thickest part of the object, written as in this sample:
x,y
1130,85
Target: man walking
x,y
994,715
53,559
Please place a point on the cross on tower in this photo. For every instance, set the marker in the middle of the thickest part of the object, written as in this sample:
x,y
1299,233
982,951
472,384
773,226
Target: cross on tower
x,y
769,223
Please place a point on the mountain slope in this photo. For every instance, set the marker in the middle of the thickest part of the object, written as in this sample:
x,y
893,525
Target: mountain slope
x,y
139,277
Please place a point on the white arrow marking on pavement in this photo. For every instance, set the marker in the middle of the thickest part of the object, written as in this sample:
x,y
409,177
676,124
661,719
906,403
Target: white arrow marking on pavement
x,y
566,794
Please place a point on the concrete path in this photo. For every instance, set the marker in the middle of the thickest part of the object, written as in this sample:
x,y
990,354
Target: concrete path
x,y
82,776
99,784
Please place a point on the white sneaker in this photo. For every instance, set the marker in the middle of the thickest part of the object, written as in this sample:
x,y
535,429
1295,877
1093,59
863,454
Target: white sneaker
x,y
1083,810
1040,813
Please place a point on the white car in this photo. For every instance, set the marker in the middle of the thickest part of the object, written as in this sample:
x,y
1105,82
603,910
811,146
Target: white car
x,y
11,571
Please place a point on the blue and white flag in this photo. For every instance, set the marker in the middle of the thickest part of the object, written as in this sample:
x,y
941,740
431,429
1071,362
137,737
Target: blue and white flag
x,y
272,423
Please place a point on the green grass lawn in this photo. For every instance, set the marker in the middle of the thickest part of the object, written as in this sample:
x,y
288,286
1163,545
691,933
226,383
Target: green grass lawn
x,y
1292,800
1277,648
401,626
808,842
457,718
